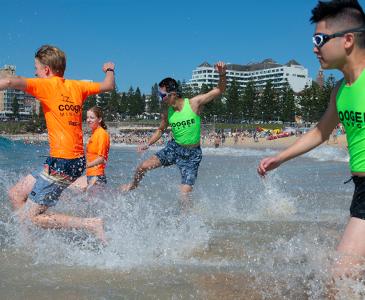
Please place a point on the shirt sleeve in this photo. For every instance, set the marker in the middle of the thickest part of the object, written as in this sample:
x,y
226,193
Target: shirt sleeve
x,y
89,88
103,143
37,87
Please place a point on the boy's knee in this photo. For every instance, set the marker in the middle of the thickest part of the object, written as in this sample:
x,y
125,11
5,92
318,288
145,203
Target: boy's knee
x,y
16,198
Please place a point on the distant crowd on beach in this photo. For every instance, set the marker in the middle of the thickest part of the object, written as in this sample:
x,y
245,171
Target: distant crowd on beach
x,y
218,138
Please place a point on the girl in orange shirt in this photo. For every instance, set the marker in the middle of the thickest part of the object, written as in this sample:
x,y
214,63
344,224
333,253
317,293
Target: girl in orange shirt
x,y
97,149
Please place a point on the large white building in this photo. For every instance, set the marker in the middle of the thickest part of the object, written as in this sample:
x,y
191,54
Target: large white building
x,y
259,73
26,102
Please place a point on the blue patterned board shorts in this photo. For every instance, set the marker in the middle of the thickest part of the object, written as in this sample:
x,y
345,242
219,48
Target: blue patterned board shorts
x,y
187,160
57,175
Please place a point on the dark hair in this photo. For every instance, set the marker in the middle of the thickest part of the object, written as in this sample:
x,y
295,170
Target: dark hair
x,y
171,85
52,57
347,13
99,114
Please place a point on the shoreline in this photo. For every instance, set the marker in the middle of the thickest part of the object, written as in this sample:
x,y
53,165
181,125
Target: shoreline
x,y
245,143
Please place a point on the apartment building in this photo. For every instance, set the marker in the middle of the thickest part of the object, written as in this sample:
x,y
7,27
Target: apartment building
x,y
294,73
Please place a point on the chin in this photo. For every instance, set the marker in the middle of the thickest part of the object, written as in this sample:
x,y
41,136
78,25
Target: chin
x,y
325,66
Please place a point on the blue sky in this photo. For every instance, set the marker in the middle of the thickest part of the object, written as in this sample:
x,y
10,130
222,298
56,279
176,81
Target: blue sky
x,y
149,40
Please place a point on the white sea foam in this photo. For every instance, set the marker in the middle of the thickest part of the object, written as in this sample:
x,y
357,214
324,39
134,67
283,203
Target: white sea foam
x,y
237,152
328,153
138,235
277,237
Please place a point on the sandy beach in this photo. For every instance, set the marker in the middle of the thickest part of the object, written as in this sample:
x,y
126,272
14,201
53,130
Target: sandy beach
x,y
245,142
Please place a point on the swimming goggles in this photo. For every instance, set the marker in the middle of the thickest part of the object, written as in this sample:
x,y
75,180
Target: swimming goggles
x,y
319,39
163,95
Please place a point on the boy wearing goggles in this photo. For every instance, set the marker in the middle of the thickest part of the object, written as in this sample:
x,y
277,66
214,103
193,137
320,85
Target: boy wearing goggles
x,y
183,115
339,43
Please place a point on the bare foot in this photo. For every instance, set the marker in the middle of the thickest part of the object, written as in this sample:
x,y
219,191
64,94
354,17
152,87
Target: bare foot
x,y
97,228
128,187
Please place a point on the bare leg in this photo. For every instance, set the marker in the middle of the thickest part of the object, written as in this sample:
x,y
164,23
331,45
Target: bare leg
x,y
18,193
79,185
152,163
37,214
352,249
186,202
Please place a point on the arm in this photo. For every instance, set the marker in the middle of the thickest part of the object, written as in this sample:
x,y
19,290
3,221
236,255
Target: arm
x,y
109,81
307,142
202,99
157,134
98,161
17,83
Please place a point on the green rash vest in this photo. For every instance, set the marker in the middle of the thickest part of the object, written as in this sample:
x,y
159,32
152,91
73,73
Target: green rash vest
x,y
351,111
185,125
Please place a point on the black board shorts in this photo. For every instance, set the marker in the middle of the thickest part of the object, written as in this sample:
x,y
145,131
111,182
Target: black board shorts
x,y
357,209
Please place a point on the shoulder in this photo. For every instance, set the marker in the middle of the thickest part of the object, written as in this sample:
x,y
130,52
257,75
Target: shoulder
x,y
38,81
103,134
337,89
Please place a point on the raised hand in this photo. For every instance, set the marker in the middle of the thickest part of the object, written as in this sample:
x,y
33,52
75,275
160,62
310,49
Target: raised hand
x,y
221,68
108,65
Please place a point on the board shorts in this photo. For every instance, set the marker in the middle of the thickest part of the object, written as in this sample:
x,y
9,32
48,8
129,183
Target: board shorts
x,y
357,208
187,159
57,174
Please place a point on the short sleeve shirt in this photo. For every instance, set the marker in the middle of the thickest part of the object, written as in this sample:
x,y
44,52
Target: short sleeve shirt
x,y
62,101
98,145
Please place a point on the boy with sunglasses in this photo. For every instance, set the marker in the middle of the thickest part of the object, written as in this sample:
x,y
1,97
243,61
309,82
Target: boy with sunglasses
x,y
339,43
61,101
183,115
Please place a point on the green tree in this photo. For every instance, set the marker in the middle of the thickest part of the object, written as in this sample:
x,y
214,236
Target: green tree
x,y
123,107
248,97
139,102
102,101
234,107
214,107
15,107
112,111
308,99
136,102
154,106
268,102
287,107
130,102
324,95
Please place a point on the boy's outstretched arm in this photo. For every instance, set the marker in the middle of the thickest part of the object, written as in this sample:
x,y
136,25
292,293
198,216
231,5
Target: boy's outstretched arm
x,y
308,141
202,99
16,83
109,81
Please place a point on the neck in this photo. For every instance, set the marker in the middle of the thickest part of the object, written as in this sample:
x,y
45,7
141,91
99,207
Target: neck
x,y
50,75
178,105
353,67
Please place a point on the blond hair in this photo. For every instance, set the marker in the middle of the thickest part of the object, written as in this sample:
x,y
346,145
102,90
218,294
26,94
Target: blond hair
x,y
52,57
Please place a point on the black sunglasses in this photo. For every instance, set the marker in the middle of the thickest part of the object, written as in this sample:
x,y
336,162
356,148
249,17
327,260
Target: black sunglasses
x,y
319,39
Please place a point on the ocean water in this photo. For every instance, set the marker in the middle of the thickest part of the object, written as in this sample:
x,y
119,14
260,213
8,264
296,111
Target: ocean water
x,y
244,238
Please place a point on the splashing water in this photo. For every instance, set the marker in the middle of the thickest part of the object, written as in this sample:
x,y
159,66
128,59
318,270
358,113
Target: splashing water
x,y
265,239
